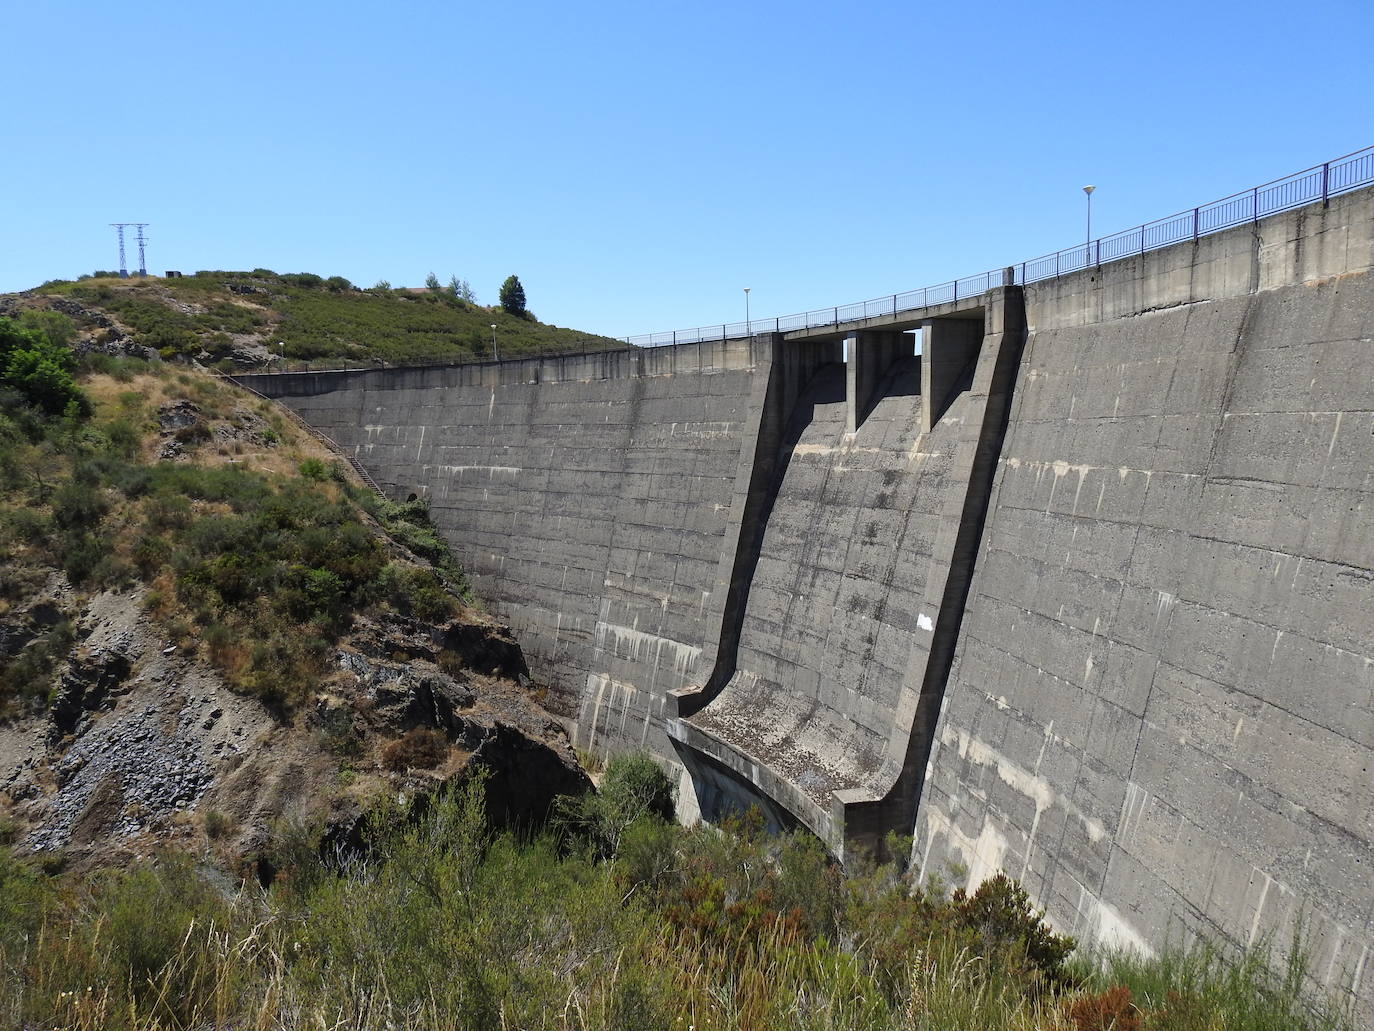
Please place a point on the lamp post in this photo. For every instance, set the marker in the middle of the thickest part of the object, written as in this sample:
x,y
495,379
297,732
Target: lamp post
x,y
746,311
1089,191
494,353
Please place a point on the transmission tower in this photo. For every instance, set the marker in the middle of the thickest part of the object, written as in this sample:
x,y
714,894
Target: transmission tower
x,y
123,265
142,242
142,265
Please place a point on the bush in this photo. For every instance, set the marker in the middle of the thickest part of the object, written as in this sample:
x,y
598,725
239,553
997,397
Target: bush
x,y
634,788
442,924
417,592
57,328
26,680
217,825
314,469
148,913
1000,911
39,371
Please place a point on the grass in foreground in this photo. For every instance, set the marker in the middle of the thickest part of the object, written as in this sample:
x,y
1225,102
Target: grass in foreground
x,y
615,920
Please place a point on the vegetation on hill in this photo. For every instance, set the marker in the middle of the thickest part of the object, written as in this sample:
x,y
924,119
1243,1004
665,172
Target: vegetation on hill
x,y
247,320
258,551
36,369
443,924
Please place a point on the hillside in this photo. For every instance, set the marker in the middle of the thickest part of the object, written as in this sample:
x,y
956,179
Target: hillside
x,y
207,627
253,320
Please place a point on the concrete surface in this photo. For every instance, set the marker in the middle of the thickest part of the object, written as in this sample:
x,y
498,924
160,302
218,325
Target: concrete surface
x,y
1091,582
1161,711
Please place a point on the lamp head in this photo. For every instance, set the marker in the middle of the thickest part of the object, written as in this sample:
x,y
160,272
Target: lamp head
x,y
1089,190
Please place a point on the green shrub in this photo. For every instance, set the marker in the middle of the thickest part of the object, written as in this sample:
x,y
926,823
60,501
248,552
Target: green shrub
x,y
1001,913
633,788
340,733
26,680
314,469
55,327
29,525
125,438
39,371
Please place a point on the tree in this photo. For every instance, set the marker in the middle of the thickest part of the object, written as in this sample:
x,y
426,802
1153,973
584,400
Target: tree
x,y
38,370
513,297
432,283
462,290
56,327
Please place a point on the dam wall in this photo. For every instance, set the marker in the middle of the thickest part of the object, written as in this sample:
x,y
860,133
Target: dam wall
x,y
588,497
1161,710
1083,592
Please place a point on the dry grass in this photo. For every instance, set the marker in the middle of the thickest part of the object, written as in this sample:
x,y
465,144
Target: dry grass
x,y
419,749
217,399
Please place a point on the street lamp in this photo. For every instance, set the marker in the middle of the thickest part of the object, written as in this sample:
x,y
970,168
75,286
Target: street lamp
x,y
746,311
1089,191
494,353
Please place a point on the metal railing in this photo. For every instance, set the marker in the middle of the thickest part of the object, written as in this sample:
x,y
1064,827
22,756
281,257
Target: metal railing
x,y
1318,183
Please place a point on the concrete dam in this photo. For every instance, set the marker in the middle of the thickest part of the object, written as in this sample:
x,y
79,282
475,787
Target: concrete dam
x,y
1082,591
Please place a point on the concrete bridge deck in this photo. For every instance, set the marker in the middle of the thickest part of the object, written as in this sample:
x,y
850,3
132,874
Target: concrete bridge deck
x,y
900,322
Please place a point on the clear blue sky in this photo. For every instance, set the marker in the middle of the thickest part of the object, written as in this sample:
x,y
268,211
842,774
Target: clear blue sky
x,y
638,164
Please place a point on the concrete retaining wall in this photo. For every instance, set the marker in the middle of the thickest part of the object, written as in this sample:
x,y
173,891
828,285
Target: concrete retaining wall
x,y
1161,713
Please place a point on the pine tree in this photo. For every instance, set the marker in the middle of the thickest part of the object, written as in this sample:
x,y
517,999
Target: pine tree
x,y
513,296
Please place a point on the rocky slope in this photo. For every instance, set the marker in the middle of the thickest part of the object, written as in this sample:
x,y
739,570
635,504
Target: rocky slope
x,y
143,746
126,725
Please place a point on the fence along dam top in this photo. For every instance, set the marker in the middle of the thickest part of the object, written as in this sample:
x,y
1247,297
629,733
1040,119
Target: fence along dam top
x,y
1318,183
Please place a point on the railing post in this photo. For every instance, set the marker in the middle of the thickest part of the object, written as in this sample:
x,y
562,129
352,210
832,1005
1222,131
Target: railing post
x,y
1254,204
674,338
835,316
1326,184
1195,212
956,289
